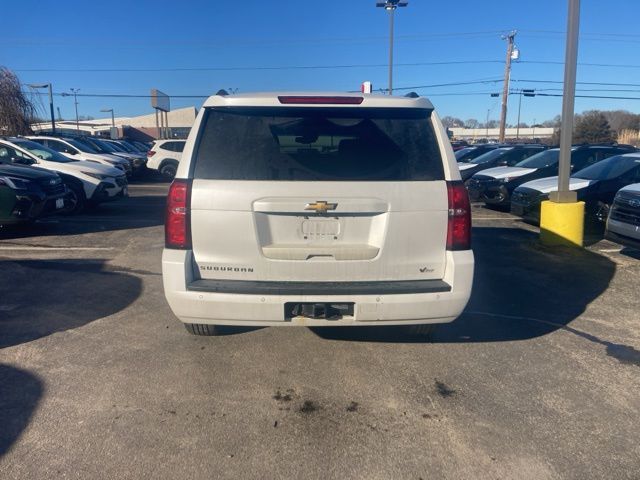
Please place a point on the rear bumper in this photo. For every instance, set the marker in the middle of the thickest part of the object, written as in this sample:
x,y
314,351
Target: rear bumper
x,y
263,303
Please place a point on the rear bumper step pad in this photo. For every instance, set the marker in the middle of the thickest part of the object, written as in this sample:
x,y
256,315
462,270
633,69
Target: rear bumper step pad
x,y
246,287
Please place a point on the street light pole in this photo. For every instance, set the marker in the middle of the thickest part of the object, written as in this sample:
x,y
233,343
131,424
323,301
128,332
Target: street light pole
x,y
75,101
390,6
562,217
518,124
45,85
391,15
113,121
486,125
564,195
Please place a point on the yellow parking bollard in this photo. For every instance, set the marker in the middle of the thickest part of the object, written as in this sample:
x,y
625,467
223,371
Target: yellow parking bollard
x,y
562,223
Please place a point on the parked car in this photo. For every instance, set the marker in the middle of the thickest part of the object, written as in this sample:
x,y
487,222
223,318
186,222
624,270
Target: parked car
x,y
623,224
322,210
138,159
75,150
503,156
164,156
143,147
28,193
495,185
129,147
101,146
469,153
89,183
596,185
459,145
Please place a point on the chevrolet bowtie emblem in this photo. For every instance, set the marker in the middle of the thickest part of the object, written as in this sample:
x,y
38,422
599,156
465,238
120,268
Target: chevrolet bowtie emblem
x,y
321,206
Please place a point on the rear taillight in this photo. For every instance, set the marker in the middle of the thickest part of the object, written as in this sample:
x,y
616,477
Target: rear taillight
x,y
177,229
459,225
150,153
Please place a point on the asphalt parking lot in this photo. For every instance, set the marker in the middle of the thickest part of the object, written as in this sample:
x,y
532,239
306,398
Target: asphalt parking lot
x,y
538,379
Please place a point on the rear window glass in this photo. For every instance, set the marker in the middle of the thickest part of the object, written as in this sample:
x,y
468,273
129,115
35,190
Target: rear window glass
x,y
612,167
173,146
348,144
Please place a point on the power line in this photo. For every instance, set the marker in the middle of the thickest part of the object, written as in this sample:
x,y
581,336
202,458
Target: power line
x,y
224,42
609,65
581,83
306,67
224,69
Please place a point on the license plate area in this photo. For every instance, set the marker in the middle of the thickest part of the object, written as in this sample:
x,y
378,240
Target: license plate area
x,y
59,203
318,311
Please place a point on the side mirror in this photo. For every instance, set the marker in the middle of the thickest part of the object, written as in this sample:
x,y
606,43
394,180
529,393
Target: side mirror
x,y
22,161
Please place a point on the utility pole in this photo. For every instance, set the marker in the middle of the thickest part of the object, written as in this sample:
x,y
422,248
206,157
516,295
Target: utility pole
x,y
75,101
390,6
507,77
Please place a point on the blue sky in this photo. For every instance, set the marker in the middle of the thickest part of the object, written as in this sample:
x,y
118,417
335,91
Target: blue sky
x,y
234,37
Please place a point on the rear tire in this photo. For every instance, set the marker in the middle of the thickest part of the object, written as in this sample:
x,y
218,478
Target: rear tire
x,y
168,171
201,329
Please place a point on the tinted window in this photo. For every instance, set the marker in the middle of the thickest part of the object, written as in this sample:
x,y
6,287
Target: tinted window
x,y
41,151
610,168
83,147
173,146
541,160
317,144
489,156
59,146
464,152
11,155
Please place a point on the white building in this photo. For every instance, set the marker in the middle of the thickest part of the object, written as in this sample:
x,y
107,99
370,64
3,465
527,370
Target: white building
x,y
494,133
180,122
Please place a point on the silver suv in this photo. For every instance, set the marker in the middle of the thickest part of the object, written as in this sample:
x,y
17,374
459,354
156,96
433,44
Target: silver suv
x,y
317,210
623,224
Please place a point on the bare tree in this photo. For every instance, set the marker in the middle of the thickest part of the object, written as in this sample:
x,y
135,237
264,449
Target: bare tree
x,y
472,123
16,110
450,122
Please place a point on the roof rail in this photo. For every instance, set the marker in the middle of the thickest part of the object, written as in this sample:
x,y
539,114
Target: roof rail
x,y
412,95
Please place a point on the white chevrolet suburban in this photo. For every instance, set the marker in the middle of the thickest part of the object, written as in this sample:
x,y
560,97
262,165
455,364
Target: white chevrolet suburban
x,y
317,210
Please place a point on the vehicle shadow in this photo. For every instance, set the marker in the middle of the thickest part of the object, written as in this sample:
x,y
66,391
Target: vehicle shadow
x,y
521,290
20,393
129,213
41,297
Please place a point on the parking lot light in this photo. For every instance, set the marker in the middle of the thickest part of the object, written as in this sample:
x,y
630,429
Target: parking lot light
x,y
113,121
47,85
390,6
